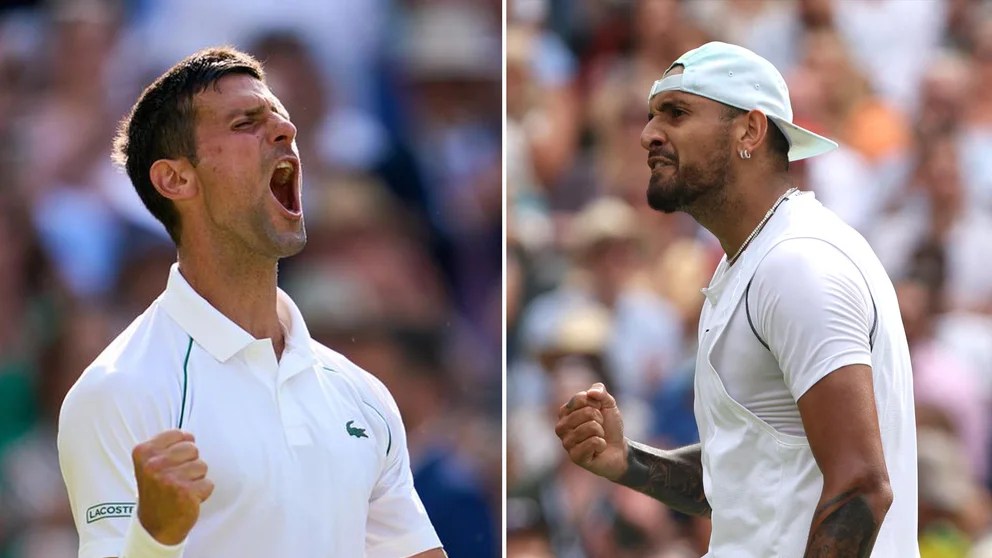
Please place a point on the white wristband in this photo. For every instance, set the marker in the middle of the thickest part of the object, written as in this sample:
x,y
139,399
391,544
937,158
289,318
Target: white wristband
x,y
139,544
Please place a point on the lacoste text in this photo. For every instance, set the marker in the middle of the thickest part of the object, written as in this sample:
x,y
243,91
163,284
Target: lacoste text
x,y
112,509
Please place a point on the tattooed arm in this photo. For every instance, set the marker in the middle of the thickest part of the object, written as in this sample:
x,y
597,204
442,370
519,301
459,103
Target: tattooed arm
x,y
675,477
591,430
841,425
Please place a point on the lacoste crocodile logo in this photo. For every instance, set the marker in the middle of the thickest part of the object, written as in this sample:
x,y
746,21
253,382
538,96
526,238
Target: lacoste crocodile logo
x,y
355,431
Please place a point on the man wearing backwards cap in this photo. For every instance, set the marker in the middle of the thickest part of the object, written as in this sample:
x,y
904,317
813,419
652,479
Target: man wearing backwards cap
x,y
803,385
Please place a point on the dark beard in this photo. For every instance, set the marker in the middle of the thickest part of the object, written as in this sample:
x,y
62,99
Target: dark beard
x,y
683,190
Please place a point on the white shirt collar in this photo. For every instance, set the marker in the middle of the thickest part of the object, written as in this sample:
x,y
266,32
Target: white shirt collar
x,y
215,332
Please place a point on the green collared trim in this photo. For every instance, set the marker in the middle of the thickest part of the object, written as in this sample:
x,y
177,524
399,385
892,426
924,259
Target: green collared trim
x,y
182,409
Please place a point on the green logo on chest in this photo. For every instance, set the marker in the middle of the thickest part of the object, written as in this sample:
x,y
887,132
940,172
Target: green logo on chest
x,y
355,431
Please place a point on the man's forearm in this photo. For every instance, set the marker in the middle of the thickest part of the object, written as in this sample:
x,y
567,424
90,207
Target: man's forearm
x,y
846,525
675,477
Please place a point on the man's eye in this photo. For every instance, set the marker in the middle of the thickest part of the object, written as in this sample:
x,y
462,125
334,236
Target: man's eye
x,y
243,125
677,112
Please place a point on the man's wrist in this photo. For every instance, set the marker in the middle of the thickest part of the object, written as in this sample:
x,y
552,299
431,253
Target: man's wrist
x,y
138,543
625,463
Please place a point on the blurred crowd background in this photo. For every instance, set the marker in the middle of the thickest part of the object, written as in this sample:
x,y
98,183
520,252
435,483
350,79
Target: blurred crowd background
x,y
600,287
398,107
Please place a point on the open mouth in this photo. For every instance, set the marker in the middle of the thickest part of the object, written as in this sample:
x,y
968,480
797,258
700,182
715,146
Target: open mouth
x,y
284,185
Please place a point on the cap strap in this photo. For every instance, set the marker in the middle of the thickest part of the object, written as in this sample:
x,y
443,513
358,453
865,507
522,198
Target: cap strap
x,y
670,83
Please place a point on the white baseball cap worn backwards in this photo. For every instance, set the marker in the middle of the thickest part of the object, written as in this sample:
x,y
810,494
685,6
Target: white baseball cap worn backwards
x,y
735,76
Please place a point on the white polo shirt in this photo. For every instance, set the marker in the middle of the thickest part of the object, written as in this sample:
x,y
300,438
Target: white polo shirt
x,y
308,454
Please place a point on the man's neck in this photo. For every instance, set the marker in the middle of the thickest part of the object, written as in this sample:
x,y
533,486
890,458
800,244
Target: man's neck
x,y
739,211
243,292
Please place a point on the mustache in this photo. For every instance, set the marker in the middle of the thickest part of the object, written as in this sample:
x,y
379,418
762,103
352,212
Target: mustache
x,y
659,154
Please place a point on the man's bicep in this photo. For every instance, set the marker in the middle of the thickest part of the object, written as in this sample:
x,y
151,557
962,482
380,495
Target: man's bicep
x,y
841,422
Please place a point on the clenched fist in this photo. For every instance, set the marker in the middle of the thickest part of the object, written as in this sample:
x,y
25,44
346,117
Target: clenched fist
x,y
591,431
172,483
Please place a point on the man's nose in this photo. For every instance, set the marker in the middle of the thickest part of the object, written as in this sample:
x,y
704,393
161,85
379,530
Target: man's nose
x,y
652,136
283,130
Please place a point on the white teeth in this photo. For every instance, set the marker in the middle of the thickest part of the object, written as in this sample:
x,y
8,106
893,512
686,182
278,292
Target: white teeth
x,y
285,165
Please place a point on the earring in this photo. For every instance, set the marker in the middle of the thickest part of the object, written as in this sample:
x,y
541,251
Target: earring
x,y
744,153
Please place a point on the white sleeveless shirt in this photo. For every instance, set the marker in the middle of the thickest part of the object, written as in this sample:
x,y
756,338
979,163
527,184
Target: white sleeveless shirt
x,y
759,474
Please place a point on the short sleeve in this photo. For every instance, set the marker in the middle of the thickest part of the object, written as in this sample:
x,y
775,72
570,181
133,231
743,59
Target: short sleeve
x,y
100,423
811,305
398,524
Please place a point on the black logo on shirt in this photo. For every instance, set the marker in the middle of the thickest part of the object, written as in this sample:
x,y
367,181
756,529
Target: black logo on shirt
x,y
110,509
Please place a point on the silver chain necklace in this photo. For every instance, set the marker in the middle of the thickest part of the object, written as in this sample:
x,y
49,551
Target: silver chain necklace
x,y
761,224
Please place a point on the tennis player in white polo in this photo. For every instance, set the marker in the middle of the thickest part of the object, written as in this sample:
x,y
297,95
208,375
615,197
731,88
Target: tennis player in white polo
x,y
803,385
214,426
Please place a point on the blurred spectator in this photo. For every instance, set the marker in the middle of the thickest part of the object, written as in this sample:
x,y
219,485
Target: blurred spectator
x,y
568,499
540,93
952,511
541,127
832,93
942,382
645,334
576,346
771,28
935,209
851,112
350,38
399,133
452,70
34,507
895,40
365,244
30,296
77,225
944,94
526,533
976,122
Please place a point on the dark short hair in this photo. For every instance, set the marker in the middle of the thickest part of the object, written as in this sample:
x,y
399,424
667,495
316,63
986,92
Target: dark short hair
x,y
776,139
161,125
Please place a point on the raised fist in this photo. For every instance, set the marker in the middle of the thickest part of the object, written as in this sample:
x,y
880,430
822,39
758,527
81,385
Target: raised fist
x,y
591,431
172,483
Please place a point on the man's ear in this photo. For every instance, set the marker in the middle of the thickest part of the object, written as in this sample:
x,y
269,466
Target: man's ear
x,y
755,130
175,179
